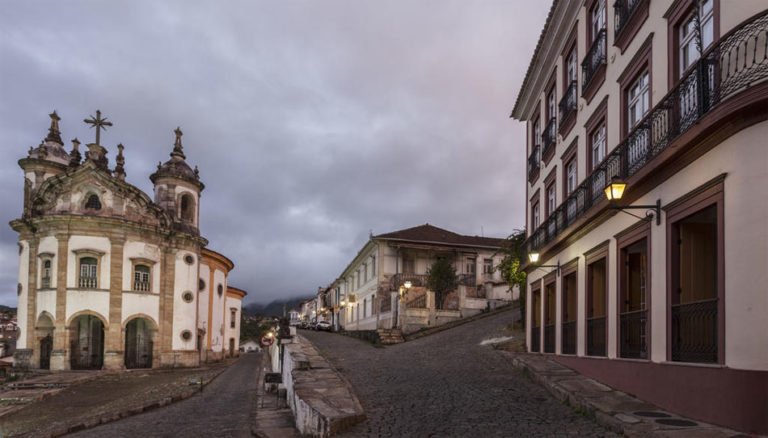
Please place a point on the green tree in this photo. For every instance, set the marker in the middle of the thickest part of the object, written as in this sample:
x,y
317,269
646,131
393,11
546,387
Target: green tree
x,y
441,279
514,254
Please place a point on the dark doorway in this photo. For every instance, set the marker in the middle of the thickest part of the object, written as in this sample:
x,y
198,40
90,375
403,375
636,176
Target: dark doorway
x,y
87,345
46,346
138,344
231,347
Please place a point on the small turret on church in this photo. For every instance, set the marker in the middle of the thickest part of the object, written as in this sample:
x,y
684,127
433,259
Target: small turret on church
x,y
178,187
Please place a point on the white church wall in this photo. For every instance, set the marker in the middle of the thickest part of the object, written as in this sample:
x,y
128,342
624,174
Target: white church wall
x,y
100,244
217,320
202,300
46,302
93,300
21,312
184,314
134,249
134,304
229,332
48,244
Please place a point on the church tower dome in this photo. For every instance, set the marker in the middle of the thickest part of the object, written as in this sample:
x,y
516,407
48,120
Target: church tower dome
x,y
178,187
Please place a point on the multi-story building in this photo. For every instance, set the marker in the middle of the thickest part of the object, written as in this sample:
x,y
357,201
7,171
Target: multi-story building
x,y
667,99
385,284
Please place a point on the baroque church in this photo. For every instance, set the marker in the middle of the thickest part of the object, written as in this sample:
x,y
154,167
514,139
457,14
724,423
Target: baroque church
x,y
111,278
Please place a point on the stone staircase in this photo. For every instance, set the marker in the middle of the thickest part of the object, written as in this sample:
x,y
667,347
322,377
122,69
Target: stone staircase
x,y
390,336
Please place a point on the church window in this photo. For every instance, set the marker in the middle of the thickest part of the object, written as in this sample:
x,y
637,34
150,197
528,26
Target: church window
x,y
201,285
19,288
187,297
233,319
141,278
186,335
188,259
93,203
187,210
373,266
45,281
220,290
88,273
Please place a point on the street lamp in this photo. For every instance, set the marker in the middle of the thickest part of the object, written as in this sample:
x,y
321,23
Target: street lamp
x,y
403,291
614,191
534,256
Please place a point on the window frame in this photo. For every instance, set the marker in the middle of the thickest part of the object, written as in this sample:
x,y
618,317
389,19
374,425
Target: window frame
x,y
535,214
599,117
641,63
536,287
676,15
550,183
149,263
568,269
88,253
706,195
49,258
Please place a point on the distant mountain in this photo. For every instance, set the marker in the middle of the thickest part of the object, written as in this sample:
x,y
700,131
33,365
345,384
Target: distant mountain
x,y
275,308
7,309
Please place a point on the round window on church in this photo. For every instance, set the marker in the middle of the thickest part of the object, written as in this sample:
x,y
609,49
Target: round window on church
x,y
188,296
188,259
220,290
18,289
201,285
186,335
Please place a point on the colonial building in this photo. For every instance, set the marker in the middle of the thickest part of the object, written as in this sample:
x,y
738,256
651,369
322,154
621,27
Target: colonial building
x,y
385,284
107,274
661,106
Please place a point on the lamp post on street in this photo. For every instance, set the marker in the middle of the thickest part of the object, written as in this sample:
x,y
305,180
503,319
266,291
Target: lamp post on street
x,y
402,293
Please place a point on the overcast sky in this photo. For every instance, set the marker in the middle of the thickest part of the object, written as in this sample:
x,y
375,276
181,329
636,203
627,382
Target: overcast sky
x,y
313,122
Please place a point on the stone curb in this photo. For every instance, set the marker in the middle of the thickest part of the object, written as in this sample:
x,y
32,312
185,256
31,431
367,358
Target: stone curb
x,y
458,322
94,422
337,420
602,398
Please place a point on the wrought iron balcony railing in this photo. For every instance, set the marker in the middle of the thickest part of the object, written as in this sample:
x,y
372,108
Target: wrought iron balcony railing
x,y
534,162
469,280
419,302
417,280
596,336
633,333
595,58
735,63
568,334
549,138
694,331
549,338
535,339
568,102
623,11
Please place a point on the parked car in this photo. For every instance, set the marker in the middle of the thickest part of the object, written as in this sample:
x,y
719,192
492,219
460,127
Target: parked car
x,y
303,325
324,326
312,325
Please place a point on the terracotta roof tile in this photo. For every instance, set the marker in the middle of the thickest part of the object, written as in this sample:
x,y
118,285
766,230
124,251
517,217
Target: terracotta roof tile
x,y
432,234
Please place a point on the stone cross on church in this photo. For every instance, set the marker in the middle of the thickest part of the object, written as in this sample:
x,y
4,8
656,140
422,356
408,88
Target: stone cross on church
x,y
98,123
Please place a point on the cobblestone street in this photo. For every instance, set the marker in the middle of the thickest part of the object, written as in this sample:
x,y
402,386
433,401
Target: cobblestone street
x,y
448,385
226,408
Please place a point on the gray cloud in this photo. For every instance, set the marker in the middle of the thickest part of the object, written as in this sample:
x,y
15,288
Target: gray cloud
x,y
312,122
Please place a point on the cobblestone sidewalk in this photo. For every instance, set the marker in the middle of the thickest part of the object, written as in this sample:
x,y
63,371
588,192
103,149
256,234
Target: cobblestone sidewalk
x,y
90,400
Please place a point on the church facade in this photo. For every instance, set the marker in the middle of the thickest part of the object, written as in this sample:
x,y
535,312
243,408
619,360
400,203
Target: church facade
x,y
109,277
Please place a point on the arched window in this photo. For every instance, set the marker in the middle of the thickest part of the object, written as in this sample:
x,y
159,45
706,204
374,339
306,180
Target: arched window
x,y
141,278
187,210
93,203
45,282
220,290
88,273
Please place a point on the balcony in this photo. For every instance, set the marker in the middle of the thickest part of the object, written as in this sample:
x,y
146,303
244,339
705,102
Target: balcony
x,y
732,65
549,140
534,164
593,65
629,15
417,280
568,107
469,280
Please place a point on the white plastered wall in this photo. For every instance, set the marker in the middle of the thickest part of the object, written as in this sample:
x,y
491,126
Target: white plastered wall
x,y
134,304
92,300
48,244
229,332
21,313
217,323
184,314
203,302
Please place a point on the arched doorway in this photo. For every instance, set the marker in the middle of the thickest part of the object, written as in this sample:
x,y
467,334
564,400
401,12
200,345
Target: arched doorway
x,y
44,333
138,344
87,343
